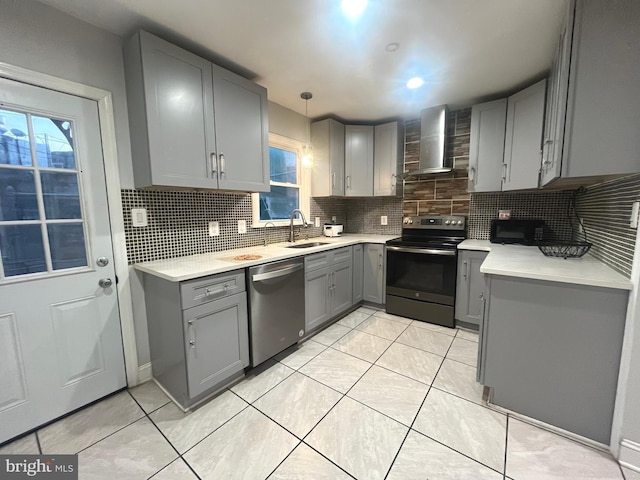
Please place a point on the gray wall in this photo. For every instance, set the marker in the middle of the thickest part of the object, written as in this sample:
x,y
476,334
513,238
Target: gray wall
x,y
42,39
288,123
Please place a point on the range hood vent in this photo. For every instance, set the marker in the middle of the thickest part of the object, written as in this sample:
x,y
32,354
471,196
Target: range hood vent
x,y
433,125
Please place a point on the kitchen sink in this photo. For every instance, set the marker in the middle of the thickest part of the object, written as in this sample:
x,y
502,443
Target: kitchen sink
x,y
308,245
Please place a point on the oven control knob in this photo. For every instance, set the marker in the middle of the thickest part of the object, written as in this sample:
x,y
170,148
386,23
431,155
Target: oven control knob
x,y
447,222
408,221
459,222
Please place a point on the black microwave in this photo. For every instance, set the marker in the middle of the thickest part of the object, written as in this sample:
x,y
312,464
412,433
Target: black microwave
x,y
523,232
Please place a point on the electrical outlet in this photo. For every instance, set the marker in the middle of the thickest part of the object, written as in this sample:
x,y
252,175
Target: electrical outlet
x,y
214,229
317,222
383,220
242,226
333,219
139,217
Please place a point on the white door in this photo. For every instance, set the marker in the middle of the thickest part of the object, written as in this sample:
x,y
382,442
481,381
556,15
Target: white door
x,y
60,340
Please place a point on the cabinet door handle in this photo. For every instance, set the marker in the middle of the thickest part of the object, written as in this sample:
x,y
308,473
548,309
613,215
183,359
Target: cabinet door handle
x,y
472,174
192,341
393,180
214,164
504,172
333,179
222,164
349,181
464,267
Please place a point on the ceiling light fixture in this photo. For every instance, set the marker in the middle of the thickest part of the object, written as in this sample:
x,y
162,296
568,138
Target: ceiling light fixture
x,y
415,82
307,152
392,47
353,8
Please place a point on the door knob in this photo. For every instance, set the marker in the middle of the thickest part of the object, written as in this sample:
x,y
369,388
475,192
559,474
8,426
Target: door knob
x,y
105,282
102,261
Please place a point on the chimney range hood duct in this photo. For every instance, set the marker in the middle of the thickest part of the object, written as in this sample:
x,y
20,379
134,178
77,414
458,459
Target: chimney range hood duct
x,y
433,124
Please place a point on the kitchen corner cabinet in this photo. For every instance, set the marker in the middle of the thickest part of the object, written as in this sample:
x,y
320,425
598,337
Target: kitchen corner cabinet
x,y
193,124
373,273
327,140
358,160
551,351
328,286
523,138
470,286
388,156
198,333
486,149
358,259
592,110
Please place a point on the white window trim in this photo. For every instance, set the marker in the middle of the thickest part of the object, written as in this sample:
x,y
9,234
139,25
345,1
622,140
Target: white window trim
x,y
290,144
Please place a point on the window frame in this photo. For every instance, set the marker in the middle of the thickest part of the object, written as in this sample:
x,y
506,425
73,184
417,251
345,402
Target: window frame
x,y
304,190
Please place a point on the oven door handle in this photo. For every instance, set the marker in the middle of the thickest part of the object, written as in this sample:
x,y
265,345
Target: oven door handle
x,y
426,251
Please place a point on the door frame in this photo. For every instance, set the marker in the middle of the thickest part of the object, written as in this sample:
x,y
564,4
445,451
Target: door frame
x,y
114,199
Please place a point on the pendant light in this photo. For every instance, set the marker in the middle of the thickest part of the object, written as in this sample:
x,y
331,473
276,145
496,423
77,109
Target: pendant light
x,y
307,151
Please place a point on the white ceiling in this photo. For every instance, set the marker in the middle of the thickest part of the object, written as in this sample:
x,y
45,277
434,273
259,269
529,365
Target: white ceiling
x,y
466,50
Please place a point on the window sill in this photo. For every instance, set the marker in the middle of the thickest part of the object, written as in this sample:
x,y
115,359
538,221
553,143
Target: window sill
x,y
276,223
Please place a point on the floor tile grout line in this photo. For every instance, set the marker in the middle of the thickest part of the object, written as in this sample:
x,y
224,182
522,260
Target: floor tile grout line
x,y
506,447
457,451
293,370
328,459
38,442
285,457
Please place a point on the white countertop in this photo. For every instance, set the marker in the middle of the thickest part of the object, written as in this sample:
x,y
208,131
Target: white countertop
x,y
201,265
529,262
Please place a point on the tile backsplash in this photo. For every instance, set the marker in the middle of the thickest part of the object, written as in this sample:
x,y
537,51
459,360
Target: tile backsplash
x,y
442,193
553,207
605,210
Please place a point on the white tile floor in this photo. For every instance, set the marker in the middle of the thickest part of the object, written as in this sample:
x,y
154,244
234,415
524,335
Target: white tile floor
x,y
373,396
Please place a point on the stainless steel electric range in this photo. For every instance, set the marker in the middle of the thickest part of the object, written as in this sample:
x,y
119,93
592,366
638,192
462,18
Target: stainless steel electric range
x,y
421,269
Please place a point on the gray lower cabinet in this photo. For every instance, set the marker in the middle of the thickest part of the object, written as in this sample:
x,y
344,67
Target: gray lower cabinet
x,y
373,273
328,286
358,259
470,286
198,333
214,135
551,351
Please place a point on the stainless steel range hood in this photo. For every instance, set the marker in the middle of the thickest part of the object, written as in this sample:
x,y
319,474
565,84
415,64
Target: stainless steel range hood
x,y
433,125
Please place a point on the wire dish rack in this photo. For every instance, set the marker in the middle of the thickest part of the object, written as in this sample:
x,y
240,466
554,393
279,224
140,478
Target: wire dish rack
x,y
564,249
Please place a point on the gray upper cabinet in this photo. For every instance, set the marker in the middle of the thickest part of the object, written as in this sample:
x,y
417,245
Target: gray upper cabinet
x,y
358,159
327,140
242,132
486,152
470,287
193,124
373,273
388,156
598,72
523,137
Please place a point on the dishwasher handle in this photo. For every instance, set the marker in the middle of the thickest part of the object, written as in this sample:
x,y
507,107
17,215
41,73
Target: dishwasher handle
x,y
276,273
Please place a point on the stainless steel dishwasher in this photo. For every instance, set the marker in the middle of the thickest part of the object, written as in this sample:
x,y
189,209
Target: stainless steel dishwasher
x,y
276,307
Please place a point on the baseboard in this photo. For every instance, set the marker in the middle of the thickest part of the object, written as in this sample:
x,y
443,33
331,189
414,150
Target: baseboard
x,y
630,455
144,373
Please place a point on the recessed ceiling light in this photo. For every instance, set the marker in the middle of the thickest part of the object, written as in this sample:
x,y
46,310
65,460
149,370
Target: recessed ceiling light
x,y
353,8
392,47
415,82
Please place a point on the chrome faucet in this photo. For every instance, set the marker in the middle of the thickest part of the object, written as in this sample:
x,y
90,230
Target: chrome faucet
x,y
264,239
292,237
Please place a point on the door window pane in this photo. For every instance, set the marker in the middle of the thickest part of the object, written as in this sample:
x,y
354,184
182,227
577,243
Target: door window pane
x,y
283,166
67,245
54,143
22,249
61,195
18,197
14,139
278,203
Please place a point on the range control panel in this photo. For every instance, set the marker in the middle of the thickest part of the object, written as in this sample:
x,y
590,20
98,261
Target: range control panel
x,y
441,222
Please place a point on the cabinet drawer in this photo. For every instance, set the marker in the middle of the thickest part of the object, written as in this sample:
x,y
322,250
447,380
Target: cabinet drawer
x,y
341,254
203,290
318,260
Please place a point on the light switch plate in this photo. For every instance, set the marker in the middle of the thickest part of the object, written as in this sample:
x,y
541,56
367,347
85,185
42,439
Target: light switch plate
x,y
383,220
139,217
242,226
214,229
